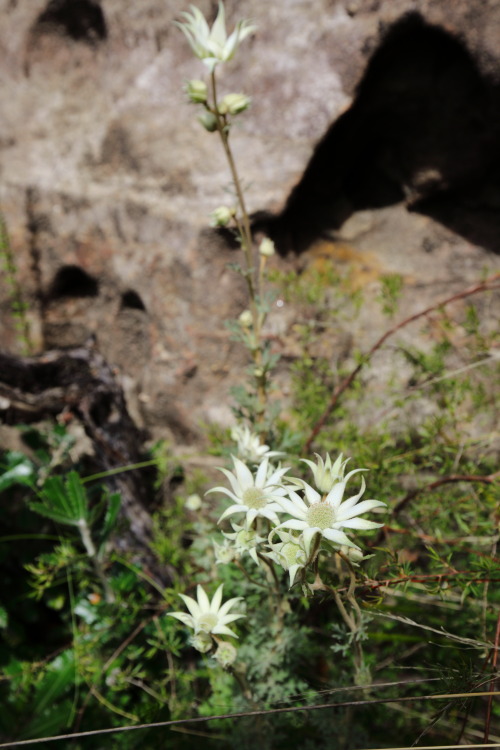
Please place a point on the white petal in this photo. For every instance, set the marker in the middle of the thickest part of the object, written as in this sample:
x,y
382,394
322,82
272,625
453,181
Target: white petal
x,y
293,524
229,618
233,509
216,600
357,510
243,474
311,494
225,491
227,606
334,497
361,523
351,501
308,535
192,605
202,599
260,478
251,516
292,509
183,617
222,630
218,33
338,537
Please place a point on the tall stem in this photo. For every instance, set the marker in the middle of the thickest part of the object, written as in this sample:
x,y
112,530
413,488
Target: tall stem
x,y
253,279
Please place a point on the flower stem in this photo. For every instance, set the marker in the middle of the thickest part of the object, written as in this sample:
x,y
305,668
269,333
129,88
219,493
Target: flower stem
x,y
253,279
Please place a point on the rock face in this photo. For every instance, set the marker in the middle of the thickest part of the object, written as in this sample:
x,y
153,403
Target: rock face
x,y
374,130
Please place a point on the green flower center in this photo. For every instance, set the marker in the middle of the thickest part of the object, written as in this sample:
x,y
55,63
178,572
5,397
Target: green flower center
x,y
253,498
321,516
207,622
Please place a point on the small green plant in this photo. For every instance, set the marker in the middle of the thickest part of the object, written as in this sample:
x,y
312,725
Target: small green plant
x,y
19,306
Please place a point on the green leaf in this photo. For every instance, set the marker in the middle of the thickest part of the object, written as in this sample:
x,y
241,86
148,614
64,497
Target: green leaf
x,y
114,503
54,515
76,494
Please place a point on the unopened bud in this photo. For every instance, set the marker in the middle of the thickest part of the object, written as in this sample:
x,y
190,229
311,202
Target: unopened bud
x,y
225,654
233,104
201,642
209,122
221,216
266,247
258,372
197,91
193,502
246,319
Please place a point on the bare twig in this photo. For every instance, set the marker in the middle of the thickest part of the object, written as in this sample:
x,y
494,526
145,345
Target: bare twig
x,y
484,286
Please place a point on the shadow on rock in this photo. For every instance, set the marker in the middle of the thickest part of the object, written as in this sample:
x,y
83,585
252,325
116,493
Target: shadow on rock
x,y
424,130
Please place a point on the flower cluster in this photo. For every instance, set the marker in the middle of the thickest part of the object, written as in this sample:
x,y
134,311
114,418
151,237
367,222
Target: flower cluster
x,y
282,520
305,519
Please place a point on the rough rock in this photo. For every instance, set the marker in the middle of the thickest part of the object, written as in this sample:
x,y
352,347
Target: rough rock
x,y
373,139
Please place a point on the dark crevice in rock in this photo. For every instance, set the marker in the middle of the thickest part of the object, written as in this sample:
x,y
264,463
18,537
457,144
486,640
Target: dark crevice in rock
x,y
424,130
132,300
79,20
73,281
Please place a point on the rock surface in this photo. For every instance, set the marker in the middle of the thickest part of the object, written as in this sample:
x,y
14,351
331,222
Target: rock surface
x,y
107,179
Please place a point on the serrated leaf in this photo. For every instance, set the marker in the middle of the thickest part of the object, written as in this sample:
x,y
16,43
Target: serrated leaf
x,y
54,515
77,495
114,503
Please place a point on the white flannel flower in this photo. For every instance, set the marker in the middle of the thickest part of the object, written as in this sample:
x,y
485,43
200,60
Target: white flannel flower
x,y
328,515
257,495
245,540
327,474
290,552
208,616
249,446
224,553
212,45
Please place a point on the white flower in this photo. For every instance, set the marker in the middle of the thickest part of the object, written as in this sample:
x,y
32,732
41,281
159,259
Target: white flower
x,y
328,515
245,540
212,46
208,616
224,553
254,495
290,552
249,446
326,474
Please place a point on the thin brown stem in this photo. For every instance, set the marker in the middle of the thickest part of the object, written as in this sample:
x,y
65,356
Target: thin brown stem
x,y
486,285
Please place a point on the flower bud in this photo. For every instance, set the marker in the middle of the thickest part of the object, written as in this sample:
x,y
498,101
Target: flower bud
x,y
225,654
209,122
246,319
202,642
258,372
193,502
266,247
233,104
197,91
221,216
355,555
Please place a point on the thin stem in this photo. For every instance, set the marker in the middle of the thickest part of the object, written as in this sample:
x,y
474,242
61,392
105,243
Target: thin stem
x,y
245,232
487,285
